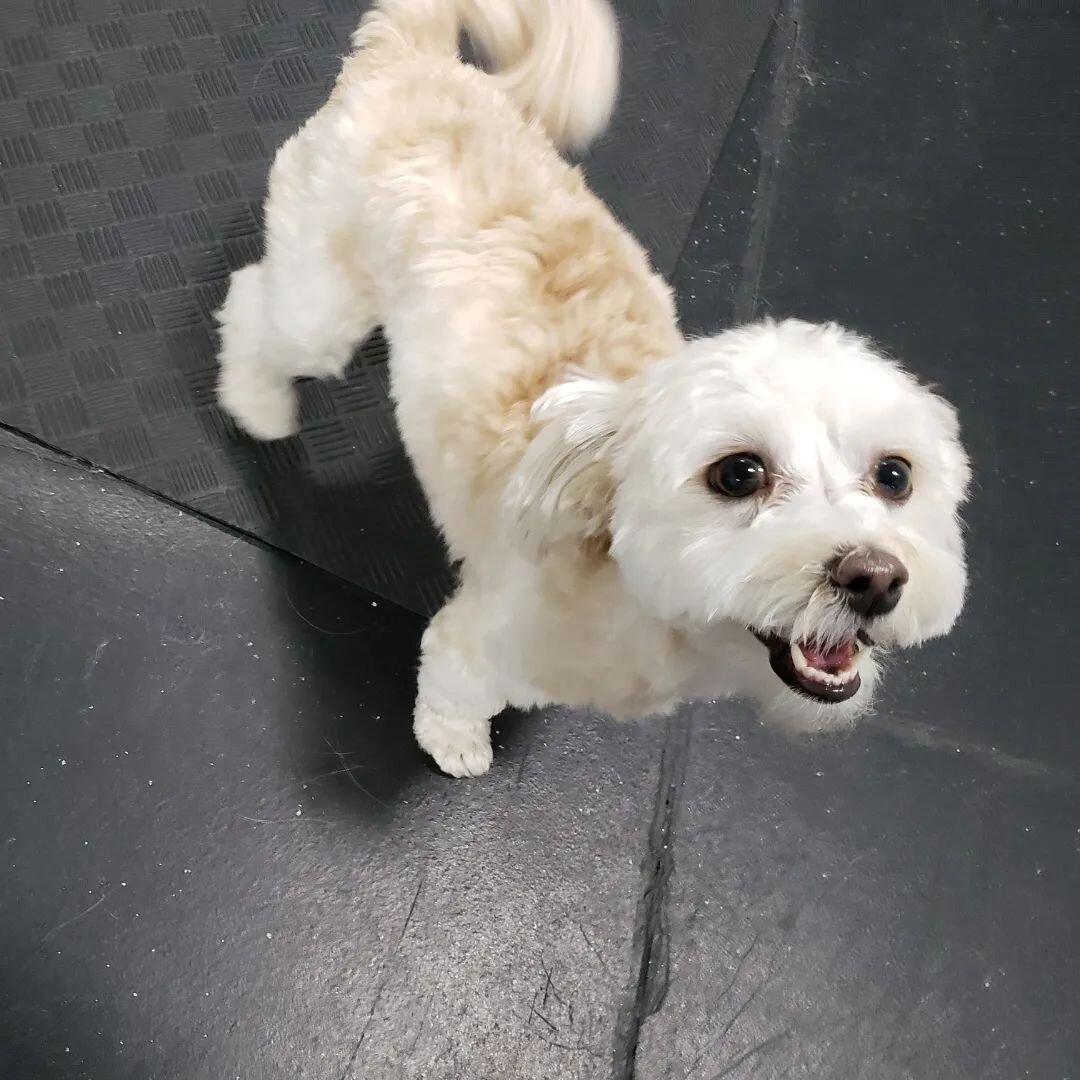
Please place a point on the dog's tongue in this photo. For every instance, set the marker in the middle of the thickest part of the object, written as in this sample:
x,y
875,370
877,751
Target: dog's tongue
x,y
832,659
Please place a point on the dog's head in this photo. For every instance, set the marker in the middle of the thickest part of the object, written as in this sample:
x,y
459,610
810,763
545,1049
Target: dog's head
x,y
783,477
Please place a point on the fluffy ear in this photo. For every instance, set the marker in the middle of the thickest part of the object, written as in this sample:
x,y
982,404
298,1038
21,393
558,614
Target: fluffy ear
x,y
957,465
562,487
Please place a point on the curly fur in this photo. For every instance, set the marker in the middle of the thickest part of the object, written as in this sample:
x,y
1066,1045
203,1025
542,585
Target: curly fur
x,y
557,420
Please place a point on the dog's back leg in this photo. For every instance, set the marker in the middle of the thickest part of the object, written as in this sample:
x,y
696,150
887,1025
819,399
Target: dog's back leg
x,y
304,308
253,389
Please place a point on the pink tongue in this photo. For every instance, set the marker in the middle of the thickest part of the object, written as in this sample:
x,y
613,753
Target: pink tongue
x,y
832,660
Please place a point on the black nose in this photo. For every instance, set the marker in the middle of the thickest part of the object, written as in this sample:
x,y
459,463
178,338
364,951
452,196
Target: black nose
x,y
870,580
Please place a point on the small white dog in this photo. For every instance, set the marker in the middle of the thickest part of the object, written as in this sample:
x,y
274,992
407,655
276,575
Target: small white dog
x,y
641,520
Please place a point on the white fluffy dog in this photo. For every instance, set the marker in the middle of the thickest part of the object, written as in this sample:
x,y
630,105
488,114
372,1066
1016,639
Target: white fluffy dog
x,y
641,520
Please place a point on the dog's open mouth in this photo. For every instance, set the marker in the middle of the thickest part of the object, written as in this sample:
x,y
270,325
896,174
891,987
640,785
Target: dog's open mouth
x,y
824,673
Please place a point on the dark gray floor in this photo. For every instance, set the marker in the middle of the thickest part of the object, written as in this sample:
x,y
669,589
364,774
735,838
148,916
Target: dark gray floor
x,y
904,904
223,856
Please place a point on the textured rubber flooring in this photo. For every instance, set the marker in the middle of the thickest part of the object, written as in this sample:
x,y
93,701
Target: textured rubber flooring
x,y
136,138
224,856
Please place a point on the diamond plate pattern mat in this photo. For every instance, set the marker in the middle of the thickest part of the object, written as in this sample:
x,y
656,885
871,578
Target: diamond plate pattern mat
x,y
135,139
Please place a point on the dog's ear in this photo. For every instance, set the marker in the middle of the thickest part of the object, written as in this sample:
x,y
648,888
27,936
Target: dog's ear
x,y
957,472
563,486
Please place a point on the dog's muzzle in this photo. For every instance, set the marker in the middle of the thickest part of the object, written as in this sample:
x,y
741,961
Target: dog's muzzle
x,y
870,582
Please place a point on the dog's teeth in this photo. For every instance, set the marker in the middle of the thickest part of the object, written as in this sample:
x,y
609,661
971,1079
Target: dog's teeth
x,y
827,678
801,666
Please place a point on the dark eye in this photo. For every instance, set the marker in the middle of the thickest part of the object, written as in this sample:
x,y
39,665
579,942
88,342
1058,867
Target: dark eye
x,y
737,475
892,478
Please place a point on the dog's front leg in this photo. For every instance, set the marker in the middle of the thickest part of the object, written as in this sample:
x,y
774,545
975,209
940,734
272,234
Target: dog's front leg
x,y
457,690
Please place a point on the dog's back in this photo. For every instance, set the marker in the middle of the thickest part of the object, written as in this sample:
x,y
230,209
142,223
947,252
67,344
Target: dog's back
x,y
497,269
427,196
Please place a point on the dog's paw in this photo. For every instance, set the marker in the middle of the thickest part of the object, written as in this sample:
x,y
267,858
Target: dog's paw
x,y
265,408
458,753
271,424
473,759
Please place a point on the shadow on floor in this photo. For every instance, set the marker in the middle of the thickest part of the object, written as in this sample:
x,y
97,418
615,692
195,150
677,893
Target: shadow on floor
x,y
359,652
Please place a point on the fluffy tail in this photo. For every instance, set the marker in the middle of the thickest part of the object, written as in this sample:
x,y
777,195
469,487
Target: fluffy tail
x,y
557,59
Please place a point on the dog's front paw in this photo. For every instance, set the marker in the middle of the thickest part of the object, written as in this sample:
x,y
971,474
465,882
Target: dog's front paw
x,y
458,751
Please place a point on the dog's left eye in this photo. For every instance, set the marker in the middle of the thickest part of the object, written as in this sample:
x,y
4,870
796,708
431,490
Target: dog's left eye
x,y
737,475
892,478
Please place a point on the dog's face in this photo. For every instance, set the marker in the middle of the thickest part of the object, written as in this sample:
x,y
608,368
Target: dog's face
x,y
782,477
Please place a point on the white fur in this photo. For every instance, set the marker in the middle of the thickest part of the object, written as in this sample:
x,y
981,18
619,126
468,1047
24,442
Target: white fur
x,y
558,422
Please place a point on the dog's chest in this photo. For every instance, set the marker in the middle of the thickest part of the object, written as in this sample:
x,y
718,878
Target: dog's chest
x,y
597,651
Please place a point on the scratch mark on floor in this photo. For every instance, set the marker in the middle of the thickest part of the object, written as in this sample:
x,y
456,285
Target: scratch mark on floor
x,y
74,918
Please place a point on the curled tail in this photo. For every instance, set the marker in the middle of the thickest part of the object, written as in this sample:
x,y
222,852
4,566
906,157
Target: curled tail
x,y
557,59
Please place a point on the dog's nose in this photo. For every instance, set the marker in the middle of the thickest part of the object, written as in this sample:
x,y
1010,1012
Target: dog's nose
x,y
870,580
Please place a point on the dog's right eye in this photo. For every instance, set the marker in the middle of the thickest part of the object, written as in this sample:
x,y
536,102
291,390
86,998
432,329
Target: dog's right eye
x,y
737,476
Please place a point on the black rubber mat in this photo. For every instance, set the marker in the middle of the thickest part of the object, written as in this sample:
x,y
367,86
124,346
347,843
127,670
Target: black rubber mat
x,y
224,856
136,138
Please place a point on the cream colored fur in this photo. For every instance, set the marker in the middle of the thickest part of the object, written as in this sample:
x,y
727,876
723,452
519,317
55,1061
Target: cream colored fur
x,y
556,419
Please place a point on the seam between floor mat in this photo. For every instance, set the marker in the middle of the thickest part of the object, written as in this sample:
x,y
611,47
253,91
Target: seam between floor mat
x,y
651,940
74,461
766,46
772,140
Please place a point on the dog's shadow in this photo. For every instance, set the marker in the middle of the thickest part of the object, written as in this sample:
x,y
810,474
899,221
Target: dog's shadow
x,y
346,713
349,711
